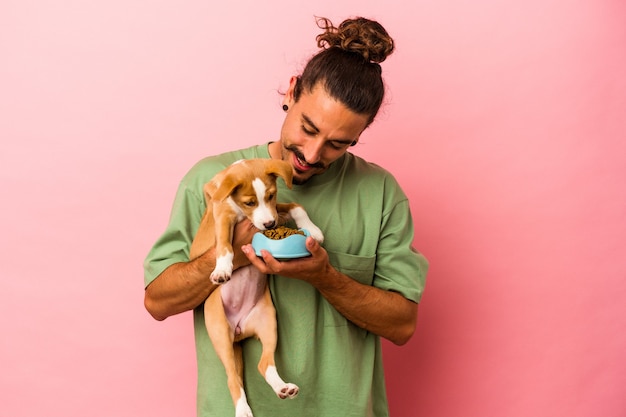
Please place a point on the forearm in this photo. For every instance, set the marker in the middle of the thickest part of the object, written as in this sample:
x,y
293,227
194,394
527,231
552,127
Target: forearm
x,y
385,313
185,285
181,287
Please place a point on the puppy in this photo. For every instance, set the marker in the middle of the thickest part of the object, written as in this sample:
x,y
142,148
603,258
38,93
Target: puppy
x,y
242,307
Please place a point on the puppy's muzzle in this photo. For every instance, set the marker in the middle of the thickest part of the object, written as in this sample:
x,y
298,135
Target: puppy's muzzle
x,y
270,225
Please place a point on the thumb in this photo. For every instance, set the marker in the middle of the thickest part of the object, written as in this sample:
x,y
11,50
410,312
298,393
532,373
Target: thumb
x,y
312,245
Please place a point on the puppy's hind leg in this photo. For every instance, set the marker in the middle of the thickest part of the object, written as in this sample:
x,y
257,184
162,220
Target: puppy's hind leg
x,y
222,337
266,331
242,409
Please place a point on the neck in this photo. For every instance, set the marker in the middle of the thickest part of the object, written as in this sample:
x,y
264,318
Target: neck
x,y
274,150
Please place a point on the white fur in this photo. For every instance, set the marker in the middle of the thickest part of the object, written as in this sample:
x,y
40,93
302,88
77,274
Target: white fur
x,y
242,409
235,208
302,220
280,387
262,213
223,268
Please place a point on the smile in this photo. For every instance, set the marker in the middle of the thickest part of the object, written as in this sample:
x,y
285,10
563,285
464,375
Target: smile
x,y
300,164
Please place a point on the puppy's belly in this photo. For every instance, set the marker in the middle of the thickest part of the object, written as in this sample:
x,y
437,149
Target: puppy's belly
x,y
241,294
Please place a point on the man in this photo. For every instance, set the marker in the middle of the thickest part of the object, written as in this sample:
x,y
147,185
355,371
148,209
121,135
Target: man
x,y
362,284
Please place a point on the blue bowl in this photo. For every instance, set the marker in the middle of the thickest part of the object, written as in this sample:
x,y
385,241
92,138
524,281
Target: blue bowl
x,y
290,247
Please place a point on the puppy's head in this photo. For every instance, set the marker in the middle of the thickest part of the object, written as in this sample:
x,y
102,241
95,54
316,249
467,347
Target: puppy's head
x,y
249,187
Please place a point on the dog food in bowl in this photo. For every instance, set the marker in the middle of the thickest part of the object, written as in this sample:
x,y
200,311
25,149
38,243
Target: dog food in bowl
x,y
281,232
282,242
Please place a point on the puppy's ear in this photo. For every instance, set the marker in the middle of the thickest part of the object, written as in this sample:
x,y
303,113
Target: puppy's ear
x,y
220,190
281,169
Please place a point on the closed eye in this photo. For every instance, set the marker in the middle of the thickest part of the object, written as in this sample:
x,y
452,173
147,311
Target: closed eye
x,y
308,132
339,145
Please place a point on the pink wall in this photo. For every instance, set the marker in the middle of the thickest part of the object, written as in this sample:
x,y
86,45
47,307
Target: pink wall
x,y
505,124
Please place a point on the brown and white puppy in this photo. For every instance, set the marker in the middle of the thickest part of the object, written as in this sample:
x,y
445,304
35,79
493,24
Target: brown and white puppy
x,y
242,307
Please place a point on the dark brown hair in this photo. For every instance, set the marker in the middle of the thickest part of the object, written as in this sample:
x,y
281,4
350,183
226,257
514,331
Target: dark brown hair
x,y
348,67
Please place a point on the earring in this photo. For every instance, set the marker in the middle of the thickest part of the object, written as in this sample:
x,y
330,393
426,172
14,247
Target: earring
x,y
285,107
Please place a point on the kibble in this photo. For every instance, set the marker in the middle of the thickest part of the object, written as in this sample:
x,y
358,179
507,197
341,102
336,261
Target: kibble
x,y
281,232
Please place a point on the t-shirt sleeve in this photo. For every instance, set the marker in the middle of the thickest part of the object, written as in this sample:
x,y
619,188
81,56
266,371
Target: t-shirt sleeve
x,y
187,211
173,245
399,267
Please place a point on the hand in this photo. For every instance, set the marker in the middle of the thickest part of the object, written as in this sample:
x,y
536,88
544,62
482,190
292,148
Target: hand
x,y
242,235
385,313
311,269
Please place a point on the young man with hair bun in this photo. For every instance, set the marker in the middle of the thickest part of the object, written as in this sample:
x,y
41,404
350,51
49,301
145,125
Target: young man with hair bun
x,y
363,283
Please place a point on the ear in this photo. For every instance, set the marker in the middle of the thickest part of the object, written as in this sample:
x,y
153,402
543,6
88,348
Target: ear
x,y
220,190
288,99
280,169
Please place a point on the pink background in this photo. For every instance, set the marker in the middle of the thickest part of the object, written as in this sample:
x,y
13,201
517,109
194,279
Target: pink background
x,y
505,124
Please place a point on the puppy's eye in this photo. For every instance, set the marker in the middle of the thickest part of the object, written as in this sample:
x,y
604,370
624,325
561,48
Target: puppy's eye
x,y
270,197
250,203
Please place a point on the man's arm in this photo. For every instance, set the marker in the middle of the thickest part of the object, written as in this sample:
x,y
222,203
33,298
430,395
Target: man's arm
x,y
185,285
385,313
181,287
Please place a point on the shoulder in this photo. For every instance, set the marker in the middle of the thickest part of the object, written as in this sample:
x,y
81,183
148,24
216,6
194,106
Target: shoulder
x,y
205,169
357,165
371,175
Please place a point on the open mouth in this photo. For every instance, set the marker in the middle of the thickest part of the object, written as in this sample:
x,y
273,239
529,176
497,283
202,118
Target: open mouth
x,y
300,164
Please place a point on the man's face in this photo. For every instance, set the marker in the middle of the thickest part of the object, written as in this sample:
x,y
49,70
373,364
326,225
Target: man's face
x,y
316,132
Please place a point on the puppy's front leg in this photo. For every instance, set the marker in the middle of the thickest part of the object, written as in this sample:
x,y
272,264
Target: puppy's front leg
x,y
224,226
299,215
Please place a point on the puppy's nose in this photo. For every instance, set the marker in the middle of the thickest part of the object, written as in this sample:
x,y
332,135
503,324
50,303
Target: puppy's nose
x,y
270,224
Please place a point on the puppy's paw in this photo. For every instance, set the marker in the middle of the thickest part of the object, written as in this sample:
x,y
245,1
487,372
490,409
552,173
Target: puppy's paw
x,y
219,277
281,388
288,391
315,232
223,269
243,409
304,222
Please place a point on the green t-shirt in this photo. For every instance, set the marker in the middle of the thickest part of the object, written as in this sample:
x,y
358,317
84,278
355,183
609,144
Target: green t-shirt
x,y
368,234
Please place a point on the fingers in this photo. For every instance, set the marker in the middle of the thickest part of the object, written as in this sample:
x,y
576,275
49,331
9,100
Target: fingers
x,y
259,263
249,252
266,264
303,268
244,230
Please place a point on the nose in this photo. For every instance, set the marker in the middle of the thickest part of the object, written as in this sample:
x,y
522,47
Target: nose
x,y
270,224
312,151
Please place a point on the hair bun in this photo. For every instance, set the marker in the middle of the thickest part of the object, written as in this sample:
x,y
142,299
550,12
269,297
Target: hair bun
x,y
363,36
